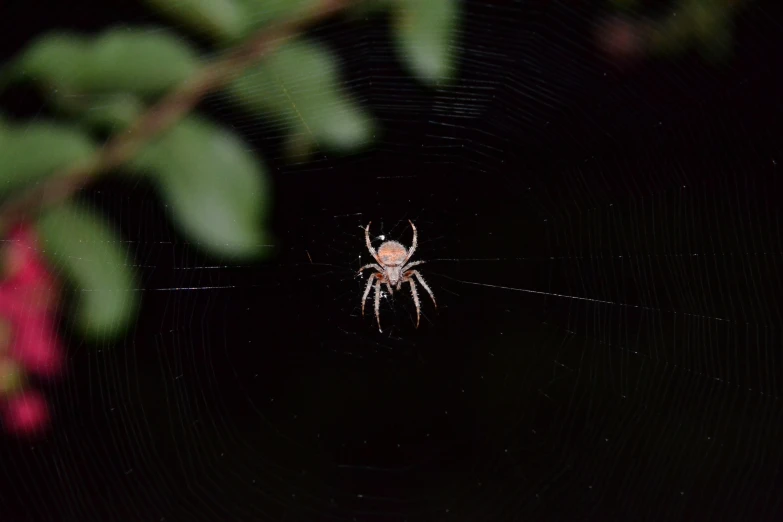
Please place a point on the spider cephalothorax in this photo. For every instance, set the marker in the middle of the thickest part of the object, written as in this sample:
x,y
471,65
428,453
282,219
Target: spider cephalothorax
x,y
393,269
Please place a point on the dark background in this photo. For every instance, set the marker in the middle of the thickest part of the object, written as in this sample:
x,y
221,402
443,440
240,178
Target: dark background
x,y
630,368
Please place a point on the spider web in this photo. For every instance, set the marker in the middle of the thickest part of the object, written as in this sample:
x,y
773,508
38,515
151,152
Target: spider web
x,y
603,244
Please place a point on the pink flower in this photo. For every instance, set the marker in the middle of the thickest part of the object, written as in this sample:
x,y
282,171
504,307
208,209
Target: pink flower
x,y
28,333
27,283
36,345
621,39
22,259
27,300
26,413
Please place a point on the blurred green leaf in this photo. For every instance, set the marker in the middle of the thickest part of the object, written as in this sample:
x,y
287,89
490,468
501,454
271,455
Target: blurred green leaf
x,y
96,264
55,60
110,112
299,144
299,86
339,124
425,32
713,30
142,61
369,8
215,187
222,20
262,12
229,20
33,151
701,24
671,35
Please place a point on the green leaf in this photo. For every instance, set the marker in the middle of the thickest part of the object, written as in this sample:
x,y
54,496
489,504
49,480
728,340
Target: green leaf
x,y
263,12
298,145
671,35
112,112
299,87
96,264
216,189
31,152
699,24
222,20
713,27
369,8
339,124
56,60
425,34
142,61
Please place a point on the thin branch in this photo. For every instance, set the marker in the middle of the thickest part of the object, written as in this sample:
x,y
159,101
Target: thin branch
x,y
164,114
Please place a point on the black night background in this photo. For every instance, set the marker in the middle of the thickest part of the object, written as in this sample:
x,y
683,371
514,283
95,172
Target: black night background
x,y
604,242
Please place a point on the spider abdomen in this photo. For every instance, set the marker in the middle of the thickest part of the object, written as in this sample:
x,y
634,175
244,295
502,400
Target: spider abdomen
x,y
392,253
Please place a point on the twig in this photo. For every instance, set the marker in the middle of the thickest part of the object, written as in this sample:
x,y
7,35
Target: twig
x,y
161,116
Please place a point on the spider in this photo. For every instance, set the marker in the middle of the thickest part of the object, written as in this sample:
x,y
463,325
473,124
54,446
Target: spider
x,y
393,270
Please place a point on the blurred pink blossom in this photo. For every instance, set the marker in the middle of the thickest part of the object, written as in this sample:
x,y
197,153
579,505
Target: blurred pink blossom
x,y
28,341
26,412
36,346
620,38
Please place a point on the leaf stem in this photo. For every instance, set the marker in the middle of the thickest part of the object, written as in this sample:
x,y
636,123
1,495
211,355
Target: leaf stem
x,y
164,114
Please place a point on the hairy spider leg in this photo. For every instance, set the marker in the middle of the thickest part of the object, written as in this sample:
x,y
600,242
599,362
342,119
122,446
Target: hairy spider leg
x,y
371,265
407,267
415,295
414,244
424,284
369,244
378,303
406,273
367,291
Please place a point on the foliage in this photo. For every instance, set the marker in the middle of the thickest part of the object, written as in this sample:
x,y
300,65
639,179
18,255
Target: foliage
x,y
705,25
224,211
85,248
423,31
143,61
21,147
217,191
300,87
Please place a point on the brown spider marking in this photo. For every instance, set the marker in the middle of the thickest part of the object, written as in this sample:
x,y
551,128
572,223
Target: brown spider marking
x,y
392,269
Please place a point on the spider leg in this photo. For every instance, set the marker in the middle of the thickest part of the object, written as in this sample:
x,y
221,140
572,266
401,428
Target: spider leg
x,y
367,291
389,287
414,244
409,265
378,303
369,244
415,295
371,265
424,284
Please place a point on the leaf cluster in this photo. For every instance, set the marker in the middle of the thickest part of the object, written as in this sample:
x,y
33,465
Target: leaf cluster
x,y
216,189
